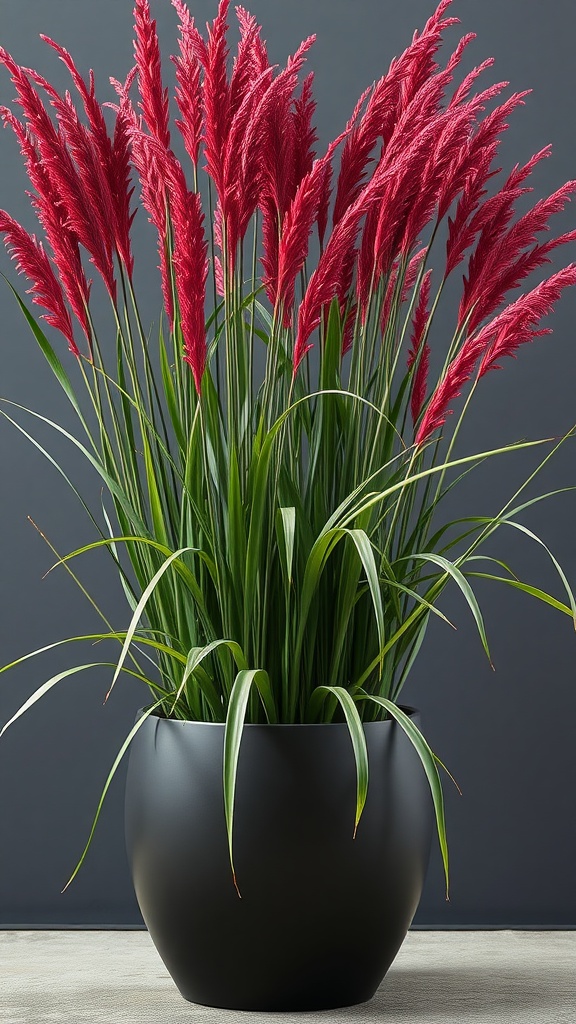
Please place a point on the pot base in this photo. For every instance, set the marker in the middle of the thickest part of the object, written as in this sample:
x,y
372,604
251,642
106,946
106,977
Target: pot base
x,y
289,1006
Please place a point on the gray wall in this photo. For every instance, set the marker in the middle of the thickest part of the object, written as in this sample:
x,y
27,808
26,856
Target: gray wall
x,y
508,736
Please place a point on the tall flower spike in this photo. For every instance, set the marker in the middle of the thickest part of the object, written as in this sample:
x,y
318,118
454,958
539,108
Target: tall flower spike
x,y
216,96
153,96
327,279
112,156
250,61
482,150
190,268
270,135
389,98
120,182
410,277
149,157
510,329
188,84
65,182
258,52
514,326
241,176
32,261
512,257
296,230
54,220
272,131
305,135
89,199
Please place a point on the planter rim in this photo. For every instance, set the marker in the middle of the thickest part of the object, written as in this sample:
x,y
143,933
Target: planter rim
x,y
407,708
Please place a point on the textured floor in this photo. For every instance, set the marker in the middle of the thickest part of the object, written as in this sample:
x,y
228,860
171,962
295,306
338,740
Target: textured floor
x,y
438,978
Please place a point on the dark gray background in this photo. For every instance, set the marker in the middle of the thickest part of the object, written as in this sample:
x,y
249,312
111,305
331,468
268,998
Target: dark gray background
x,y
508,737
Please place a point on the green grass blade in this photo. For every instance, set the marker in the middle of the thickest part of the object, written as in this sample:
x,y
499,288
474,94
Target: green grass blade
x,y
357,736
197,655
51,358
366,554
533,536
428,760
111,484
170,393
139,610
111,775
124,581
54,463
285,532
39,693
457,575
541,595
96,638
379,496
235,719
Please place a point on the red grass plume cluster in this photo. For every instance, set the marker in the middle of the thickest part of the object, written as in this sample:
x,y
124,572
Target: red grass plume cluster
x,y
419,148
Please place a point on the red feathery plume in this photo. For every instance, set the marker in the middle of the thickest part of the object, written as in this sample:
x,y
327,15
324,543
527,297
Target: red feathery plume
x,y
271,132
190,268
297,226
251,60
32,261
193,36
324,204
270,137
325,281
514,325
413,271
66,183
305,136
188,86
420,350
458,373
348,331
420,152
476,168
408,283
508,260
112,156
333,269
231,113
216,97
405,175
153,96
509,330
456,156
250,30
366,270
270,247
120,183
219,276
54,219
149,157
86,192
241,169
462,92
389,98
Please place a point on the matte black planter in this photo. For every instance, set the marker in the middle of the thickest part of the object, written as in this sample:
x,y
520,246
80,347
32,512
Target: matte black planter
x,y
322,916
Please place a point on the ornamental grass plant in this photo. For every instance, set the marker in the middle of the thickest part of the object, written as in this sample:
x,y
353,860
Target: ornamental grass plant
x,y
275,451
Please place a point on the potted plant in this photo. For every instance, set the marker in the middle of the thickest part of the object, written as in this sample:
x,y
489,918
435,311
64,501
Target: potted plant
x,y
276,455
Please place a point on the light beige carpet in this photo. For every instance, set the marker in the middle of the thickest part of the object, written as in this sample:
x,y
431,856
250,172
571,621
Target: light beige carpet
x,y
438,978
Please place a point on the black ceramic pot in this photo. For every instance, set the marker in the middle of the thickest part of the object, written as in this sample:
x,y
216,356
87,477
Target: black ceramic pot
x,y
321,915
